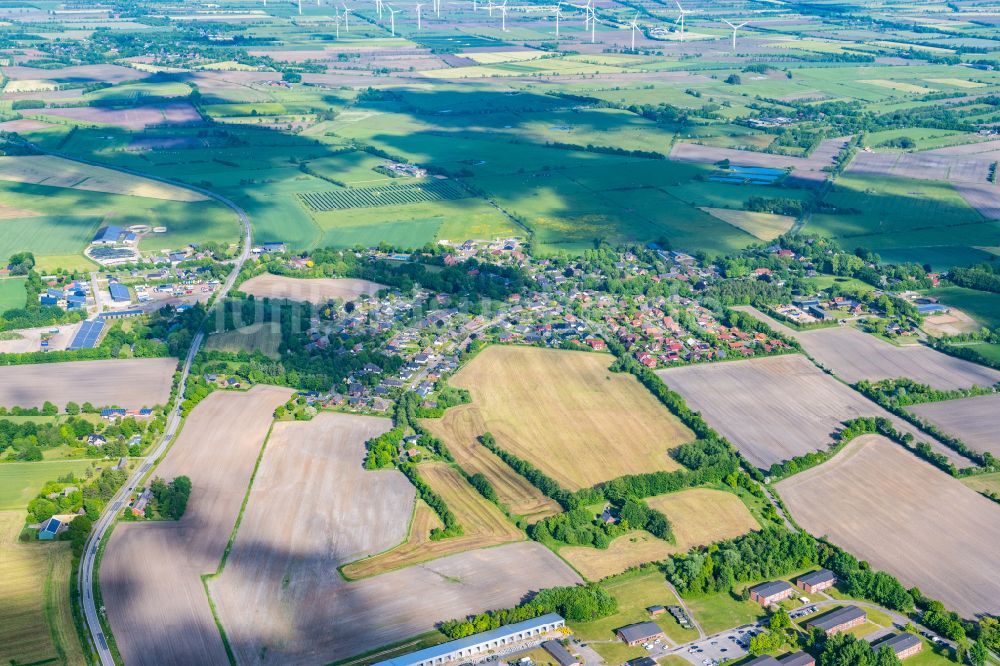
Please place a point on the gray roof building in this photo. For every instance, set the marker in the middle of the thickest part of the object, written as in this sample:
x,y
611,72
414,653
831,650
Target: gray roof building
x,y
560,654
898,643
791,659
770,588
640,631
838,618
815,577
466,648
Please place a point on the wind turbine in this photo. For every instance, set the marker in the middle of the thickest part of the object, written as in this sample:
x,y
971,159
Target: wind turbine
x,y
587,9
634,27
336,22
489,8
419,5
558,14
593,23
392,19
503,16
437,8
378,8
683,13
735,28
300,7
346,26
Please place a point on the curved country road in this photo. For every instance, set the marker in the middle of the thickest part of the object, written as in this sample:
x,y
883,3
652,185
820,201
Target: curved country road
x,y
85,575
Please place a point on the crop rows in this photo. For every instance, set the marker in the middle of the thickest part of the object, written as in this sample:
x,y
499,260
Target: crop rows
x,y
392,195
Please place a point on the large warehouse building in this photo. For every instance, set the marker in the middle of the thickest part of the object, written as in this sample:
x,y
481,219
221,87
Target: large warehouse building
x,y
480,645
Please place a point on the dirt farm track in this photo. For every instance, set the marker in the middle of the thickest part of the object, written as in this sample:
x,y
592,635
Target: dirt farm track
x,y
887,506
129,383
150,573
312,508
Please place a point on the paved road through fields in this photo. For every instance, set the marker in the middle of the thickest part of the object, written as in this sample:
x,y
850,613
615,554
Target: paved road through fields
x,y
85,578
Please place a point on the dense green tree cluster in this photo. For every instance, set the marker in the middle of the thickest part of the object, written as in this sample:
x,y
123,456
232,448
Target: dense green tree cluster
x,y
171,498
984,277
578,604
858,579
770,553
847,650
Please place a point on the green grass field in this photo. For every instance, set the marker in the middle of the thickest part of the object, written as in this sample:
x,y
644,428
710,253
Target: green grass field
x,y
19,482
66,219
902,218
718,612
12,294
634,593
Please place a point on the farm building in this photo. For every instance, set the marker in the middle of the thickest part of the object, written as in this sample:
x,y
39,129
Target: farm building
x,y
112,235
468,648
816,580
49,529
842,619
903,645
640,632
656,610
771,592
119,292
791,659
560,654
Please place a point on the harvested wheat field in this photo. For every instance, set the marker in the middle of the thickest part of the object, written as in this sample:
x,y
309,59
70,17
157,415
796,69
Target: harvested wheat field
x,y
975,421
264,338
854,355
773,409
312,290
160,614
59,172
568,415
459,429
129,383
483,523
36,622
887,506
280,598
628,550
698,516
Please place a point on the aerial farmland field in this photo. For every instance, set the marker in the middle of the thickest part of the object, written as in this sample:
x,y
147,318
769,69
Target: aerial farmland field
x,y
483,524
315,290
460,428
554,424
130,383
773,409
36,622
887,506
279,598
698,517
854,355
217,450
264,338
976,421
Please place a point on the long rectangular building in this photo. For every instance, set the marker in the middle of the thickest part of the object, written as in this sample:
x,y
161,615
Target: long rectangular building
x,y
842,619
479,645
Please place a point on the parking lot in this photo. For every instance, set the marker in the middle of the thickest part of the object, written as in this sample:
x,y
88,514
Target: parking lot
x,y
728,645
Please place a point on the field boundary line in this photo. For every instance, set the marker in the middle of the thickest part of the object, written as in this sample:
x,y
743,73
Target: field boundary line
x,y
229,547
406,539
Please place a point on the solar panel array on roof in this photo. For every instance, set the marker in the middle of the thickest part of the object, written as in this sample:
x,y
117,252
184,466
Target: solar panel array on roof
x,y
119,292
86,336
